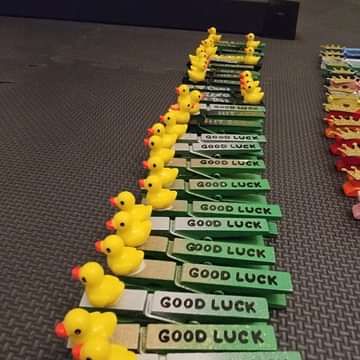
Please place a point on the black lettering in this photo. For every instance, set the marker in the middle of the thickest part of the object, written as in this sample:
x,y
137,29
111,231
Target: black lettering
x,y
250,307
272,280
164,336
260,253
165,302
243,337
256,337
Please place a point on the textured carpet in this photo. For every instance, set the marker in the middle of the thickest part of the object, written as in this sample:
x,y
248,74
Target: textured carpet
x,y
75,100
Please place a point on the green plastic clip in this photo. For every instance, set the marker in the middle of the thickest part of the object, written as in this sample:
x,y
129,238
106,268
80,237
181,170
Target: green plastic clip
x,y
217,168
172,338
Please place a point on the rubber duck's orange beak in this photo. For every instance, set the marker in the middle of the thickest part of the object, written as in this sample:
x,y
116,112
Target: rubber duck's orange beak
x,y
146,142
177,91
162,118
75,273
150,131
110,225
112,201
141,183
98,246
76,351
60,330
145,164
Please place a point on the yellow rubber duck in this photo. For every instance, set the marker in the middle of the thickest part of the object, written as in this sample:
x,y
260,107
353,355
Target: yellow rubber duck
x,y
101,349
80,325
246,75
198,60
156,167
183,113
200,51
183,92
195,97
196,74
126,201
213,33
168,140
133,231
158,149
101,290
209,47
156,196
121,259
171,127
250,58
253,95
250,41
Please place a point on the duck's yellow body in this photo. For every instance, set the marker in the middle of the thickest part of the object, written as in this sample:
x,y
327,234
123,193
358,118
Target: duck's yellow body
x,y
156,167
101,349
250,58
121,259
158,149
156,196
182,116
168,140
134,232
196,75
253,95
172,127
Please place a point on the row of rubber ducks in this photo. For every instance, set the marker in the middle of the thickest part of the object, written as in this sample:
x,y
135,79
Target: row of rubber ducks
x,y
90,333
207,50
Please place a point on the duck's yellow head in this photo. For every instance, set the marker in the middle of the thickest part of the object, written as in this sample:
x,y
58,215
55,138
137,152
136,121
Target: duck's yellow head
x,y
95,349
212,30
185,105
182,90
169,119
249,50
111,245
250,87
153,142
157,129
124,200
246,75
121,220
250,37
196,96
90,273
154,163
151,183
200,50
75,324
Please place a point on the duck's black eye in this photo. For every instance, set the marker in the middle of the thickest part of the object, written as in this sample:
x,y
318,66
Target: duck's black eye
x,y
88,358
188,105
154,165
77,331
168,118
83,279
122,224
108,250
150,185
152,143
122,203
158,130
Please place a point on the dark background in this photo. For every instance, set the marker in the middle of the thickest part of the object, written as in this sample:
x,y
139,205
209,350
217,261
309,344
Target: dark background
x,y
75,101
